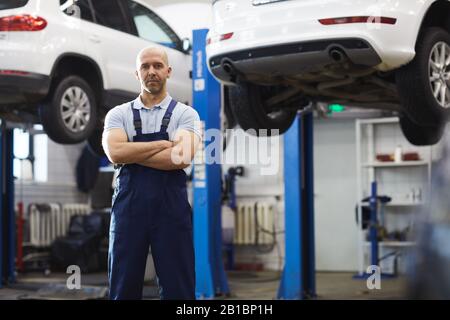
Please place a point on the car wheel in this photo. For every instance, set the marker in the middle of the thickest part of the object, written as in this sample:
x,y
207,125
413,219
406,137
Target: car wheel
x,y
424,84
249,105
421,135
70,115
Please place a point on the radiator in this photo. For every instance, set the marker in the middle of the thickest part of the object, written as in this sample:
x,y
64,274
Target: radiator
x,y
245,223
51,220
42,223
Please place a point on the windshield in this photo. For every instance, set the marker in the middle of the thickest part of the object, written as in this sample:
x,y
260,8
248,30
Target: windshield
x,y
12,4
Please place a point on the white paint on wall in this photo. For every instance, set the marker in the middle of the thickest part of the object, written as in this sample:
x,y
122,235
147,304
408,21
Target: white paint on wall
x,y
335,189
184,16
61,185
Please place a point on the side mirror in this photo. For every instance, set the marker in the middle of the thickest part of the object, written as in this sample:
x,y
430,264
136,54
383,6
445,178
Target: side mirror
x,y
186,45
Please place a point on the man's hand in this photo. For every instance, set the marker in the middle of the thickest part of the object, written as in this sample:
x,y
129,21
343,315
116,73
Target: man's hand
x,y
120,151
177,157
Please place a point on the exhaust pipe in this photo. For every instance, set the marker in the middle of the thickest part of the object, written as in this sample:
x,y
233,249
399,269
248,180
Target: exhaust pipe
x,y
337,54
227,66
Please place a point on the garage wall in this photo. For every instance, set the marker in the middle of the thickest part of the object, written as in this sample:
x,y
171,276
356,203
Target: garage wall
x,y
256,187
184,16
335,194
335,190
61,185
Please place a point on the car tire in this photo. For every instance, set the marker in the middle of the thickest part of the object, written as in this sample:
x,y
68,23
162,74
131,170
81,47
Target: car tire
x,y
229,119
247,102
421,135
414,81
70,114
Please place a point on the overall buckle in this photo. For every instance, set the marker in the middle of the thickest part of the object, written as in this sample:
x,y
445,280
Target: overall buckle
x,y
165,121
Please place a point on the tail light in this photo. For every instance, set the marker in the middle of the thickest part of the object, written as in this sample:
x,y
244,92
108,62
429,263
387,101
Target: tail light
x,y
23,22
221,37
362,19
13,73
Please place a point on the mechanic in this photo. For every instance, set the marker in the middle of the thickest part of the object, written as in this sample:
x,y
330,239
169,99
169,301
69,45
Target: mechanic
x,y
152,141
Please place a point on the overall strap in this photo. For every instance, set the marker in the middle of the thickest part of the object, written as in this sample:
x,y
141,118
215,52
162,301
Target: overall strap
x,y
136,120
167,115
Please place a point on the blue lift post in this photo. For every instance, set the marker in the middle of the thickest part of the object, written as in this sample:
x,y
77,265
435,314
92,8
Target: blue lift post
x,y
373,231
211,280
230,181
7,214
373,234
299,280
373,224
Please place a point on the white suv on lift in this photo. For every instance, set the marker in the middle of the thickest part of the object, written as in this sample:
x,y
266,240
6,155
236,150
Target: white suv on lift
x,y
65,64
279,55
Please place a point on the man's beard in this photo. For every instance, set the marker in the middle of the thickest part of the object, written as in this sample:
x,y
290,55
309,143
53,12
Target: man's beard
x,y
154,89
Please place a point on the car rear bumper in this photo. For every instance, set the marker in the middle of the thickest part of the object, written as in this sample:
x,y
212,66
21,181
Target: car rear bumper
x,y
23,88
240,25
292,58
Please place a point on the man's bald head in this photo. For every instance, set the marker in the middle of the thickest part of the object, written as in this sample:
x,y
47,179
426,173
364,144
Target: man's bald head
x,y
151,51
153,70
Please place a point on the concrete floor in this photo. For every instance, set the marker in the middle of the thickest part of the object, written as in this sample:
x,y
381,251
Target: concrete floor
x,y
243,285
330,286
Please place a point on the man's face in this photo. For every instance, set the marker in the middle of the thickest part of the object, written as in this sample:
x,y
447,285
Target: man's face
x,y
153,72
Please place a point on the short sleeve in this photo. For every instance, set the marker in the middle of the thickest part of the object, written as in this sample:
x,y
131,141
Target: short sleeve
x,y
190,121
114,119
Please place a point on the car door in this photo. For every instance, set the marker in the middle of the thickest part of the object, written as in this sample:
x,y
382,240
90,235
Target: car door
x,y
151,30
111,44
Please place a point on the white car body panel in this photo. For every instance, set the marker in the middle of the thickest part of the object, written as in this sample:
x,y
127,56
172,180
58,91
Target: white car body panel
x,y
297,20
37,51
113,51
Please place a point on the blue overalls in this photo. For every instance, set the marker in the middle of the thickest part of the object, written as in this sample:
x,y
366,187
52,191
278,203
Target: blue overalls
x,y
150,207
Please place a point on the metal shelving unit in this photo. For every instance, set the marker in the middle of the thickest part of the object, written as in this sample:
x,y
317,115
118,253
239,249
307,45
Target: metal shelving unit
x,y
394,164
407,182
393,243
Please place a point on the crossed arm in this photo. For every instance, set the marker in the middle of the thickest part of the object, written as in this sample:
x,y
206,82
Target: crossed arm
x,y
162,155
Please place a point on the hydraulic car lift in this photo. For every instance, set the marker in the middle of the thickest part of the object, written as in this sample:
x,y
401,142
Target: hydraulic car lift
x,y
210,274
7,215
298,280
375,201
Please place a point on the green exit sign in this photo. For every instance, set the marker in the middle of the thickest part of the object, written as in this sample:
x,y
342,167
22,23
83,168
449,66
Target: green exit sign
x,y
335,108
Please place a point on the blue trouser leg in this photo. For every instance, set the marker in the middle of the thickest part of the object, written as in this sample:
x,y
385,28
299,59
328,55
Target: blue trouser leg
x,y
173,255
173,250
128,251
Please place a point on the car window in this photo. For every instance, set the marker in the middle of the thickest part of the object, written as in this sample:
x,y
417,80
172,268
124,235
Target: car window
x,y
11,4
109,13
150,26
81,8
